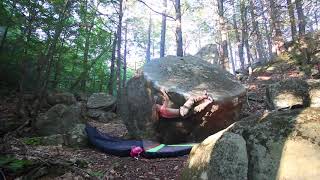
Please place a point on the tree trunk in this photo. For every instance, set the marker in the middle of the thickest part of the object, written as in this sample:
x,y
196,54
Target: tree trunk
x,y
231,56
20,104
278,40
256,31
239,42
119,33
224,59
301,18
267,32
48,57
3,37
179,40
125,56
292,20
113,59
244,30
148,51
57,72
163,30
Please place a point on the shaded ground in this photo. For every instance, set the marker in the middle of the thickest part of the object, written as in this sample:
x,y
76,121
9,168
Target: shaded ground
x,y
92,164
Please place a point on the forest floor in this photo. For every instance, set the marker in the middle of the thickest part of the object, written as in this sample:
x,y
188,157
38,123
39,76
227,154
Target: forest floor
x,y
90,163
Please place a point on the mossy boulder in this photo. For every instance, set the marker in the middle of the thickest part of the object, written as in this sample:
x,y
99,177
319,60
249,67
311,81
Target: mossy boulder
x,y
279,145
293,93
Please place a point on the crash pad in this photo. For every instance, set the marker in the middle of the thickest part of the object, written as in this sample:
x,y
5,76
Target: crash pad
x,y
121,147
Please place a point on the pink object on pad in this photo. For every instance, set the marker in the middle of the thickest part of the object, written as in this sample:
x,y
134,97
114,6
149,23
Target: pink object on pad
x,y
135,151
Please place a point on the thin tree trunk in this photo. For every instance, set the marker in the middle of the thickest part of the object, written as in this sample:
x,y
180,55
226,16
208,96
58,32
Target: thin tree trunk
x,y
48,57
119,33
244,30
113,58
125,56
316,18
239,42
292,19
257,35
20,104
179,40
84,73
163,30
267,32
301,18
278,40
3,38
148,51
224,59
231,56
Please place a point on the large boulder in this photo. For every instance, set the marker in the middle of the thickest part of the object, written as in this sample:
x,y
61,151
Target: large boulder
x,y
101,101
101,116
314,92
75,137
209,53
279,145
61,98
58,120
224,151
181,78
293,93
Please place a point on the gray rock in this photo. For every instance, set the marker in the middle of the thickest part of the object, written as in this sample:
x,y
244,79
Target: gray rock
x,y
101,101
220,156
209,53
107,117
101,115
58,120
95,113
61,98
293,92
77,136
182,78
314,92
279,145
287,94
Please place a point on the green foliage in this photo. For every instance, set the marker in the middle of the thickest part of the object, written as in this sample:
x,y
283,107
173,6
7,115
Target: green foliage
x,y
32,26
32,141
13,164
97,174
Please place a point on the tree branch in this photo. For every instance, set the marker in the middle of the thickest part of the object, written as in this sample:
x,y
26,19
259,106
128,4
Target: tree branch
x,y
161,13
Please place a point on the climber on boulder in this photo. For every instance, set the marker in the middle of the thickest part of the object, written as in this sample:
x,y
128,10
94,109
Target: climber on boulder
x,y
163,110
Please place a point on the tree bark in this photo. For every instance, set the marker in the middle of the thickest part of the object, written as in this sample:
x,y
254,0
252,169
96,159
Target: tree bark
x,y
278,40
224,59
179,40
125,56
113,59
244,30
231,56
239,42
163,30
292,19
148,51
3,38
119,41
301,18
267,32
256,31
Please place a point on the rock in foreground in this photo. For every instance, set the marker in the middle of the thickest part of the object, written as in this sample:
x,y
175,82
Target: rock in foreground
x,y
281,145
293,93
101,101
181,78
